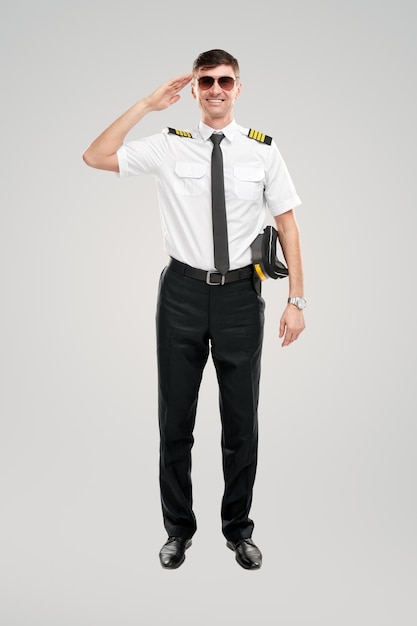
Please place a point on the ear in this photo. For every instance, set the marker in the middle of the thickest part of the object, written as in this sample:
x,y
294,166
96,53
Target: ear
x,y
193,91
238,90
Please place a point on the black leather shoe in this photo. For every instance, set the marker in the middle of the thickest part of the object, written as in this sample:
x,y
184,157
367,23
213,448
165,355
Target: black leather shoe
x,y
247,553
172,553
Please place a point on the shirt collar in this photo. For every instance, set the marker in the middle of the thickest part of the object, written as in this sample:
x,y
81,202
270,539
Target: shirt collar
x,y
229,131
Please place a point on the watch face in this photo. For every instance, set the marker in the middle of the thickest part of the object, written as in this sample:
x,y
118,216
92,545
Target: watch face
x,y
300,302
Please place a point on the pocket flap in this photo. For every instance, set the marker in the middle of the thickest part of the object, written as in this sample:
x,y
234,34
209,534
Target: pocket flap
x,y
247,173
190,170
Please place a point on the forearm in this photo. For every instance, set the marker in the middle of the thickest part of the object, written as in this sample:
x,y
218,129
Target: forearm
x,y
107,144
292,320
289,238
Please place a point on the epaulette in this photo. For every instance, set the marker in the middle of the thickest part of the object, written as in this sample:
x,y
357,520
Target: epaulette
x,y
180,133
255,134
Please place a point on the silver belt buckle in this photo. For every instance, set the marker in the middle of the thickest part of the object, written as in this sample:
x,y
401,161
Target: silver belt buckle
x,y
208,279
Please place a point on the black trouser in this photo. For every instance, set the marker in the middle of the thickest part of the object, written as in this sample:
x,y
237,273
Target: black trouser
x,y
190,316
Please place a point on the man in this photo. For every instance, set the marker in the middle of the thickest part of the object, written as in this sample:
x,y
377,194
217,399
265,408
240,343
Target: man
x,y
207,297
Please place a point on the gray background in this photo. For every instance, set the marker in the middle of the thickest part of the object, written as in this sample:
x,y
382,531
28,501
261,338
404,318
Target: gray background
x,y
81,252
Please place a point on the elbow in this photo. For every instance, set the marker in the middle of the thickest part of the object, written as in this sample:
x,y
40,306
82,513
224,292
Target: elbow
x,y
88,158
286,224
100,162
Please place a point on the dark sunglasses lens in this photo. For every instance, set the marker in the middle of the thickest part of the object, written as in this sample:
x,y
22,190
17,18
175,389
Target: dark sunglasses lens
x,y
205,82
226,82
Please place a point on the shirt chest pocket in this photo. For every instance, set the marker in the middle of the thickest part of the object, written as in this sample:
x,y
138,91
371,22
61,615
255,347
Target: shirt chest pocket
x,y
190,178
249,181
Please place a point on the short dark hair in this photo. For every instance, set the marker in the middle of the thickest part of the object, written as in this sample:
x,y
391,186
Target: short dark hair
x,y
213,58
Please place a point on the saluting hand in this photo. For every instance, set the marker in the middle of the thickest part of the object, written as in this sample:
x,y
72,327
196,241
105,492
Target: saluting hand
x,y
167,94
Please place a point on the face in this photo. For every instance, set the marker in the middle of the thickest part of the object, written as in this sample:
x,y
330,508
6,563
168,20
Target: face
x,y
216,103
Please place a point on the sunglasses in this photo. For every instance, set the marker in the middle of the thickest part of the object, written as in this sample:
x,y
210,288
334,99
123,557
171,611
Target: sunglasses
x,y
224,82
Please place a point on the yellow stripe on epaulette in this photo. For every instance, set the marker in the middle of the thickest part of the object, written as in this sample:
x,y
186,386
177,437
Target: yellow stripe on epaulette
x,y
180,133
255,134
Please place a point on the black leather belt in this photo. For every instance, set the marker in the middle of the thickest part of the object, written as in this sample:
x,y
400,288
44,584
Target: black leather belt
x,y
211,278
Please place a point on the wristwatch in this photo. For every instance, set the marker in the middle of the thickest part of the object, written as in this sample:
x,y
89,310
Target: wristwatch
x,y
300,303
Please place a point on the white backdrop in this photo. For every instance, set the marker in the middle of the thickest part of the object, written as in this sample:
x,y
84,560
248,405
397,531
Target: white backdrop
x,y
81,251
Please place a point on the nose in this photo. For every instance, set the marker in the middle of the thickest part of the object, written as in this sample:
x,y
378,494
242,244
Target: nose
x,y
215,88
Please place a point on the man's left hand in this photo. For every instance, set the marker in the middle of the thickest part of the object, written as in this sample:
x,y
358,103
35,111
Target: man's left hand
x,y
291,325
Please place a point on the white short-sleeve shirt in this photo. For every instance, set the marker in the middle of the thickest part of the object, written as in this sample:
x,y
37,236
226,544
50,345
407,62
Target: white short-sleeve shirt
x,y
255,178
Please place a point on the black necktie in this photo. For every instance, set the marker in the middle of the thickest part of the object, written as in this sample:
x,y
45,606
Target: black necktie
x,y
221,248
